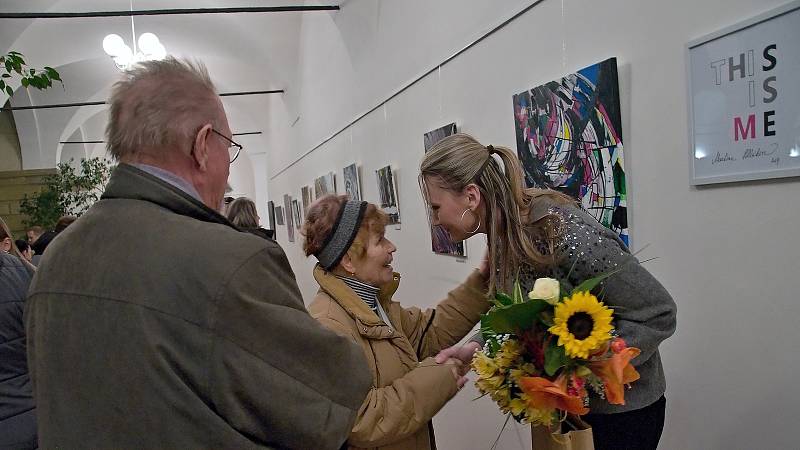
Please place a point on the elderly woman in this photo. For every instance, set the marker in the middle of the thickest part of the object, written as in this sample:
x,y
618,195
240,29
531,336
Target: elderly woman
x,y
357,282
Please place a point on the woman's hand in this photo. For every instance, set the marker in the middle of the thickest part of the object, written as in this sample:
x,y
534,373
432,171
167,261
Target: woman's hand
x,y
463,353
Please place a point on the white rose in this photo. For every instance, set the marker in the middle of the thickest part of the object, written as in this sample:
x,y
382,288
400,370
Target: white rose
x,y
546,289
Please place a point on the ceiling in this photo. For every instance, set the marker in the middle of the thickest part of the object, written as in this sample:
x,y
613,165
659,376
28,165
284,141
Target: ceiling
x,y
243,52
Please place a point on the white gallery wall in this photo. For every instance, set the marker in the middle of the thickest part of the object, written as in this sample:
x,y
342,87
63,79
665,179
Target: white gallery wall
x,y
728,253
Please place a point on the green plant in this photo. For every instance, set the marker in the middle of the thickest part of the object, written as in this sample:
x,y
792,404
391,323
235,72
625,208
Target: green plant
x,y
67,192
13,63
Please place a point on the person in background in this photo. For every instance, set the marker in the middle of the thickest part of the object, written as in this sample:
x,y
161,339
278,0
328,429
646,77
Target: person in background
x,y
43,241
17,407
153,322
356,286
533,233
24,249
242,213
7,241
33,233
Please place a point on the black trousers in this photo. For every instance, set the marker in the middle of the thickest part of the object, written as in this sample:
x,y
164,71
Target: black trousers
x,y
639,429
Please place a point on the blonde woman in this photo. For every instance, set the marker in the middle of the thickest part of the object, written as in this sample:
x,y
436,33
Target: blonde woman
x,y
242,213
473,188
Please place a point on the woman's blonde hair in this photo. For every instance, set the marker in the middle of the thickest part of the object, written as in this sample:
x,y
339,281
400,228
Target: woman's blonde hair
x,y
242,213
459,160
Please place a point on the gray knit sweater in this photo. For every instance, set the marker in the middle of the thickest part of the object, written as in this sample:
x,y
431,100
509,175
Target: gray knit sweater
x,y
644,310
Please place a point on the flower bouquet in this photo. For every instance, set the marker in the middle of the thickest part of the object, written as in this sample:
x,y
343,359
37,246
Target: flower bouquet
x,y
546,352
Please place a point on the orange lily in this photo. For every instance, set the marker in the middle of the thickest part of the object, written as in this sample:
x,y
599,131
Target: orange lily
x,y
547,395
616,372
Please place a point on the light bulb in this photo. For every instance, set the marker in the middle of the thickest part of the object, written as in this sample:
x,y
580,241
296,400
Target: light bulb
x,y
123,60
148,43
699,153
794,153
160,53
113,45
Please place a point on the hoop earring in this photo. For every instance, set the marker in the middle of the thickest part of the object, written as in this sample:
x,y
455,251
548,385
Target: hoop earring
x,y
462,221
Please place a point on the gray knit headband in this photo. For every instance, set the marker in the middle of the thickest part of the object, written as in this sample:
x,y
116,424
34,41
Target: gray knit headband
x,y
342,235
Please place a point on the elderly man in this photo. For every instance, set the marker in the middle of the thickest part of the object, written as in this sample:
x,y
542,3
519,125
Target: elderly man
x,y
154,323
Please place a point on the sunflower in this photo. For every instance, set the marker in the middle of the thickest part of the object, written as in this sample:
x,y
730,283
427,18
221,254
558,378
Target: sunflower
x,y
582,324
484,365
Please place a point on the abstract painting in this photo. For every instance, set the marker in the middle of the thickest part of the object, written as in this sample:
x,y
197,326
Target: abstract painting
x,y
440,238
352,183
298,214
287,207
325,184
569,138
279,215
388,194
306,194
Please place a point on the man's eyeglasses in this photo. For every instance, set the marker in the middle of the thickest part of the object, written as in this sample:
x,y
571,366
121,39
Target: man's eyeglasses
x,y
233,148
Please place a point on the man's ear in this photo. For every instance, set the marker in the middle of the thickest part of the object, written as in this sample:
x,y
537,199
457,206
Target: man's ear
x,y
200,148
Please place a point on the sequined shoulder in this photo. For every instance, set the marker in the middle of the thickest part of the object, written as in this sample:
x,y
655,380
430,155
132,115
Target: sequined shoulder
x,y
581,245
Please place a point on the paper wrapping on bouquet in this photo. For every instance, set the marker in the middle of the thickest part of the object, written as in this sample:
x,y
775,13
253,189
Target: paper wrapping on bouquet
x,y
574,434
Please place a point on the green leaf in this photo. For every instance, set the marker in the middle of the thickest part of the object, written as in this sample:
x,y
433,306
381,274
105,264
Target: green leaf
x,y
6,75
554,359
591,283
515,318
25,82
2,85
546,318
10,91
517,296
33,71
15,53
503,299
53,73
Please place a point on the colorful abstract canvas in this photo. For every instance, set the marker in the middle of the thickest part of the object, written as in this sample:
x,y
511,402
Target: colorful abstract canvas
x,y
352,183
569,138
440,238
287,207
388,194
325,184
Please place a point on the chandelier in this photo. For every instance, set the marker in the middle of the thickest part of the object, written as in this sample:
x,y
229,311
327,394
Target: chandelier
x,y
124,57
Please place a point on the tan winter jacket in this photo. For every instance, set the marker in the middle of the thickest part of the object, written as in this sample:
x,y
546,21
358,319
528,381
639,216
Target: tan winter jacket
x,y
408,388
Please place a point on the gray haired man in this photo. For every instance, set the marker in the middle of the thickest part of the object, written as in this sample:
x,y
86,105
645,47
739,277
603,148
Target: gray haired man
x,y
154,323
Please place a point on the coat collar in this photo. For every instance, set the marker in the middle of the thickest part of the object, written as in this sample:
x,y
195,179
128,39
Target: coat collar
x,y
371,324
129,182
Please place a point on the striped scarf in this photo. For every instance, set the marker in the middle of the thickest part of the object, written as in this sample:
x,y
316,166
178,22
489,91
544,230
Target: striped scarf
x,y
367,293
